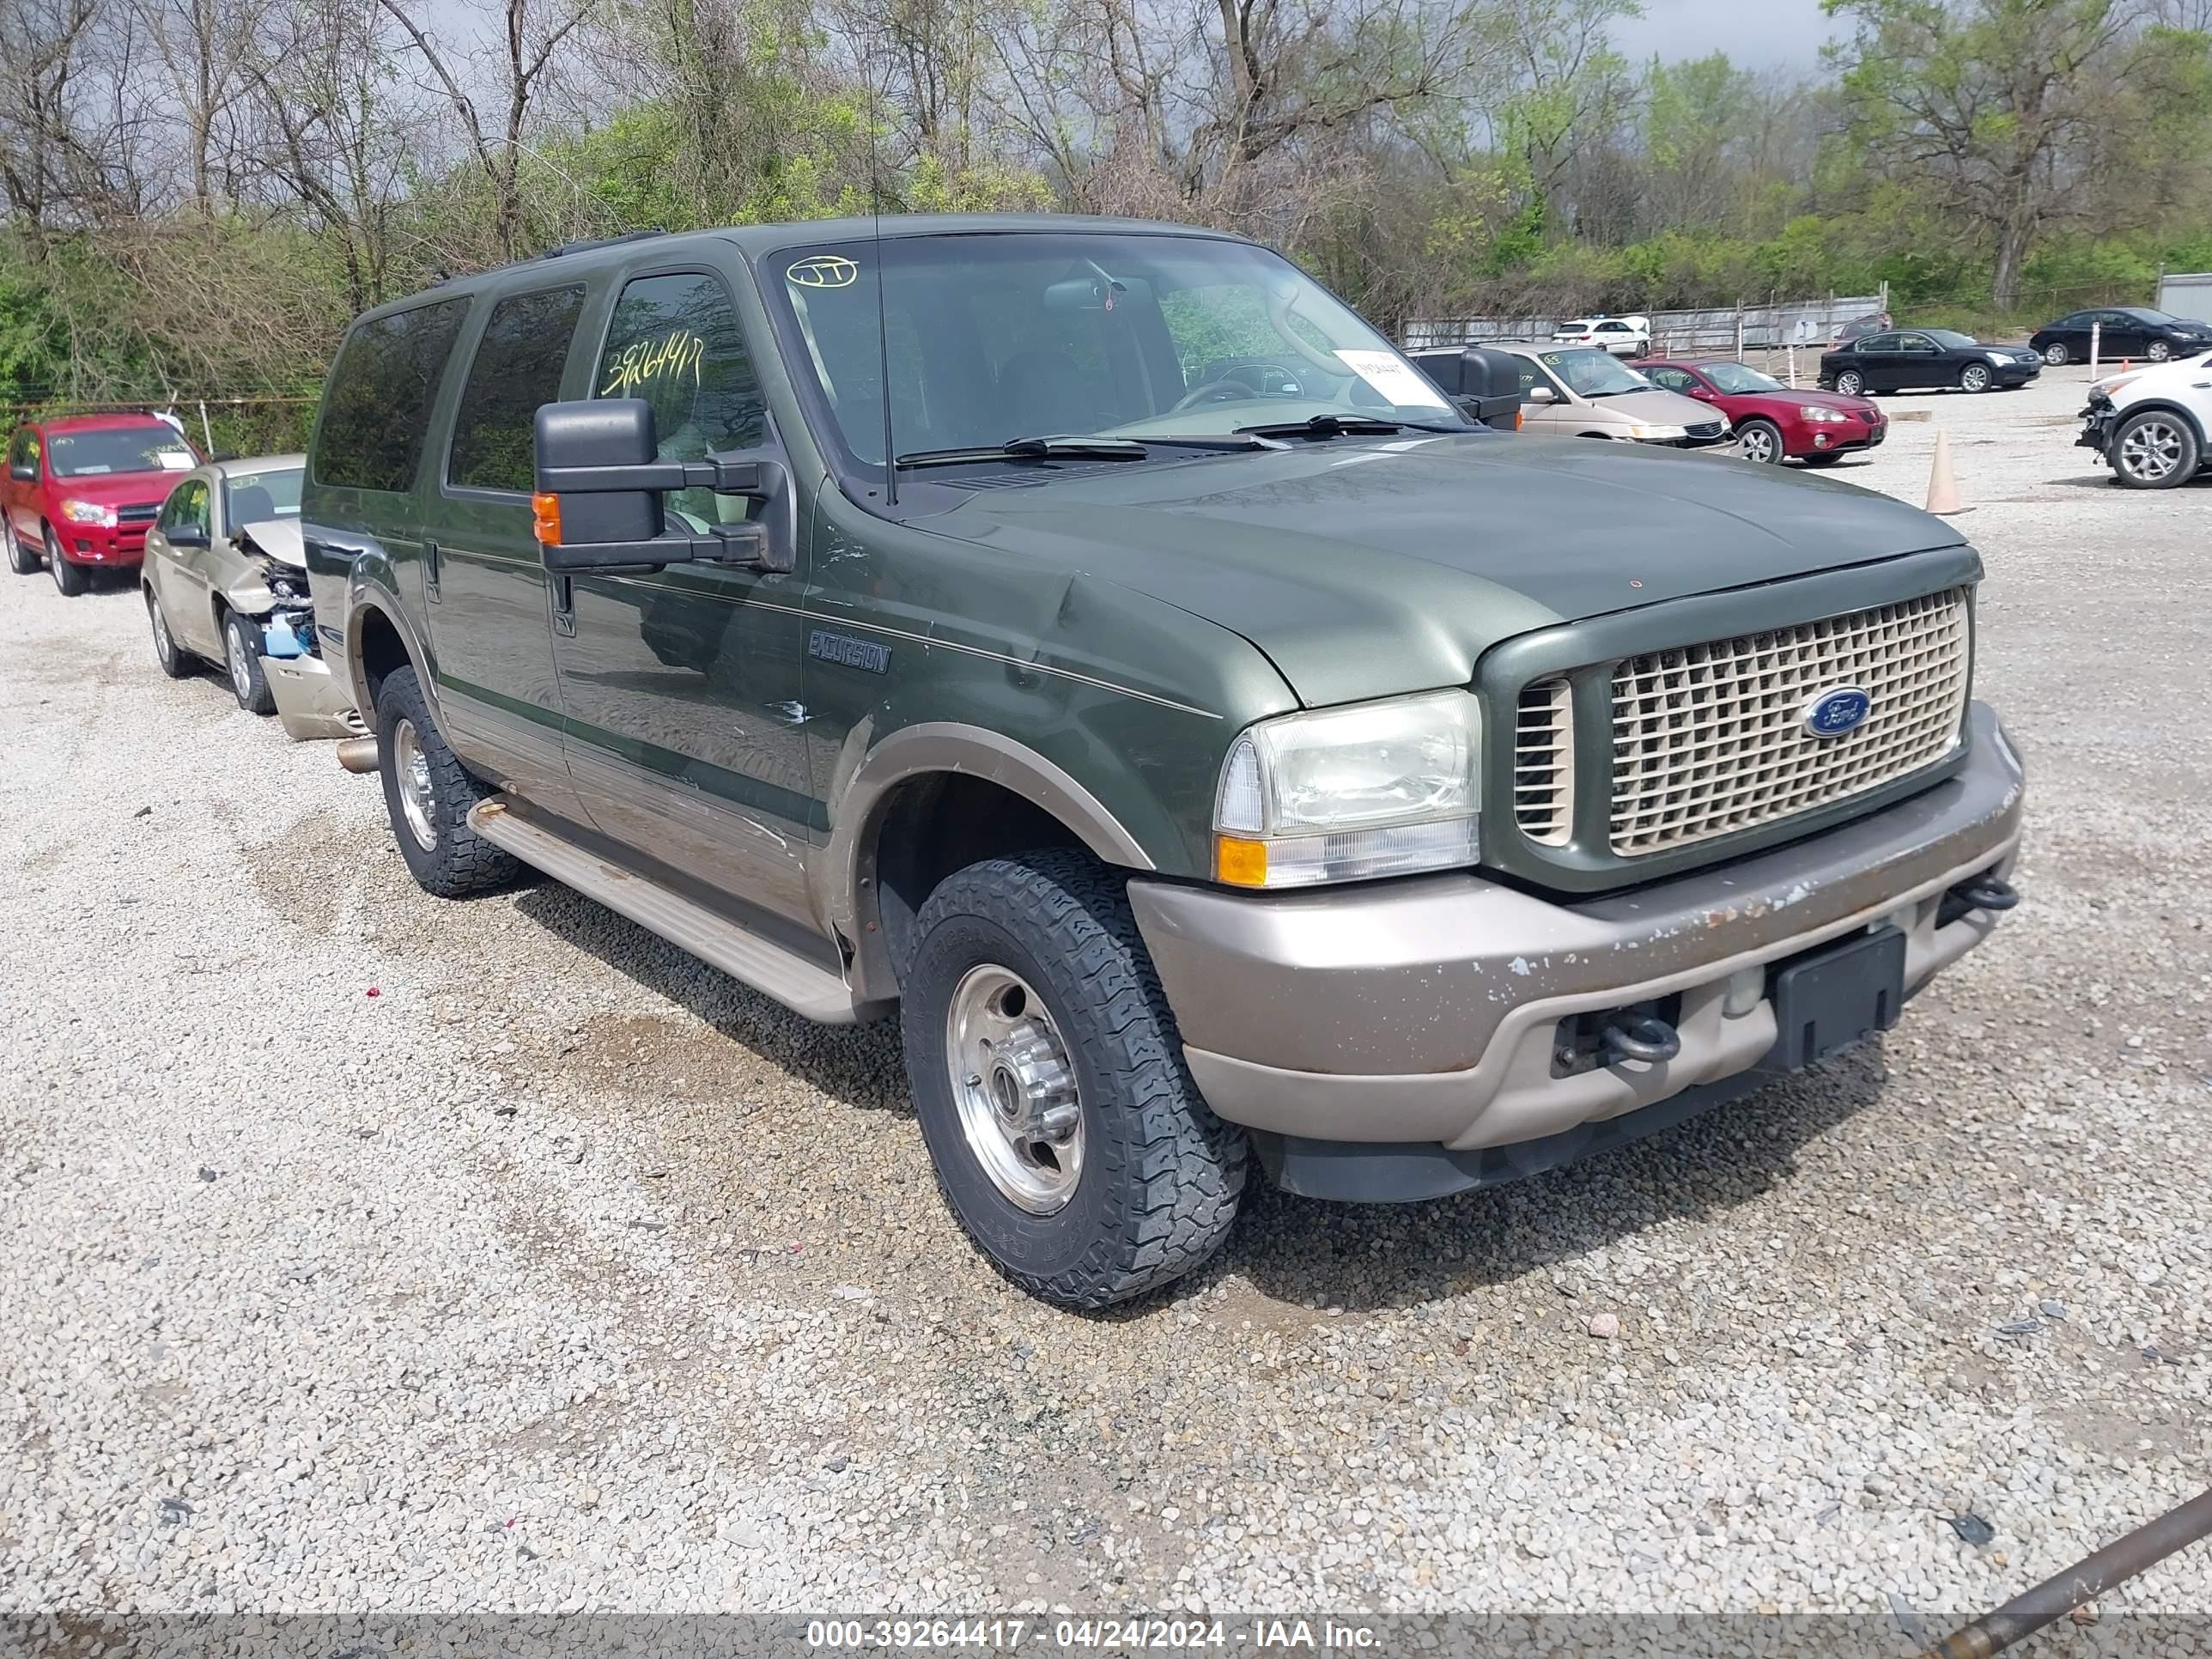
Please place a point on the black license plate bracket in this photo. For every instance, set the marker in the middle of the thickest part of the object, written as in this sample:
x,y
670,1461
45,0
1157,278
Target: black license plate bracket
x,y
1832,997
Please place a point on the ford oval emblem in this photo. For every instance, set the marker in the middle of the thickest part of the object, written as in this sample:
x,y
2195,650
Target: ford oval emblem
x,y
1839,709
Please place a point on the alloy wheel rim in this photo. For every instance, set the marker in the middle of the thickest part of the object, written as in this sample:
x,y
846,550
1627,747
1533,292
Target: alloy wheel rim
x,y
411,766
1759,445
241,670
1849,385
160,628
2151,450
2158,352
1013,1083
54,559
1975,378
2055,355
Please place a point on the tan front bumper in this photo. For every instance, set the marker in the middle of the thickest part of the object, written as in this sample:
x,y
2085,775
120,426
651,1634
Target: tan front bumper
x,y
311,700
1426,1010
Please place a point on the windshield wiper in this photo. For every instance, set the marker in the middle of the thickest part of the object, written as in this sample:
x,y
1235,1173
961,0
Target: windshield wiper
x,y
1233,443
1340,426
1616,392
1029,449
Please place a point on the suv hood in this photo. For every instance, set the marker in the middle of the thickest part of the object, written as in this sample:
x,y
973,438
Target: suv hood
x,y
1363,570
118,488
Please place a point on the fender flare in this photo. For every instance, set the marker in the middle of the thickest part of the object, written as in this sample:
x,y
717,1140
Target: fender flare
x,y
365,592
848,896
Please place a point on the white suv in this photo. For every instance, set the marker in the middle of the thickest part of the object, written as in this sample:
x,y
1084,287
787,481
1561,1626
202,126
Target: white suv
x,y
1623,336
2153,427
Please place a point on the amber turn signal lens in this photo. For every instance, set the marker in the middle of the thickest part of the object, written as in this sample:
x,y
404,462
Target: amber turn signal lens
x,y
1240,863
546,518
1520,419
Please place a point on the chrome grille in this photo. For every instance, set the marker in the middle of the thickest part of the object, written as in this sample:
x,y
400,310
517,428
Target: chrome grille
x,y
1544,763
1709,740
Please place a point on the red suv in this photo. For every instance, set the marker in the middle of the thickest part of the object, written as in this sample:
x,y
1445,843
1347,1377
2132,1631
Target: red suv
x,y
82,490
1772,422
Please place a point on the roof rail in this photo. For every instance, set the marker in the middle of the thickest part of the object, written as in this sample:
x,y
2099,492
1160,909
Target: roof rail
x,y
603,242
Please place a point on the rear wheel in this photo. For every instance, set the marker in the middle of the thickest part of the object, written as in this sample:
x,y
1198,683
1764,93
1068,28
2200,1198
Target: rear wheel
x,y
70,578
1851,383
1975,377
2055,354
428,793
241,651
174,663
1760,441
2154,450
1068,1139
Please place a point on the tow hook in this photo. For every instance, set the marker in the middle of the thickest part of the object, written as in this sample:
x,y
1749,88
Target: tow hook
x,y
357,754
1646,1037
1986,892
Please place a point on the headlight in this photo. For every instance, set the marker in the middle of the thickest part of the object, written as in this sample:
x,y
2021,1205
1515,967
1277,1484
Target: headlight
x,y
1820,412
78,512
1375,789
2000,358
1657,434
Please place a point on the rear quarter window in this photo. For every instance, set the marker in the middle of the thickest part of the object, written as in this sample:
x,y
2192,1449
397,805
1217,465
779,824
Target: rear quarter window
x,y
376,410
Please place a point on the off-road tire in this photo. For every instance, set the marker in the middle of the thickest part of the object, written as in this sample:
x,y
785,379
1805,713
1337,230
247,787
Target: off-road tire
x,y
461,862
175,661
21,559
1976,377
2185,452
241,665
1162,1176
1775,454
70,578
1852,383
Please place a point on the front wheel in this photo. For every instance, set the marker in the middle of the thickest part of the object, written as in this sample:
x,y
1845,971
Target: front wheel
x,y
1823,457
21,559
1068,1139
241,651
428,793
70,578
2154,450
1851,383
1974,377
2158,351
2055,354
1760,441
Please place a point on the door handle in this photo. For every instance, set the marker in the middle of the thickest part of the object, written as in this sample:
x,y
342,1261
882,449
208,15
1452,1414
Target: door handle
x,y
430,572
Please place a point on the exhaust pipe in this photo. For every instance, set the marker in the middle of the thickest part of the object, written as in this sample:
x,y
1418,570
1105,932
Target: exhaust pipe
x,y
358,754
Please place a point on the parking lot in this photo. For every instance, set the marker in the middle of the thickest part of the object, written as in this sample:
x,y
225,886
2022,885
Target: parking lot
x,y
363,1251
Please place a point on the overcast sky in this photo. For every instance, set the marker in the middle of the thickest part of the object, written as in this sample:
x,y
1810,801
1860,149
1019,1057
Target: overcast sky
x,y
1756,34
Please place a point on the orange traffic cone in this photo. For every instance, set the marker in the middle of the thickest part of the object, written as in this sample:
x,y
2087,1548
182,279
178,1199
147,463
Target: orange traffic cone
x,y
1942,487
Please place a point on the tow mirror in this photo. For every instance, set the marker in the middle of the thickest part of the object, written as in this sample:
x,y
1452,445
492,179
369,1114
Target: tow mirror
x,y
598,504
1484,382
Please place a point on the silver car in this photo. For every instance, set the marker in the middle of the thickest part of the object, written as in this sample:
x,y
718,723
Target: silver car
x,y
1581,391
224,580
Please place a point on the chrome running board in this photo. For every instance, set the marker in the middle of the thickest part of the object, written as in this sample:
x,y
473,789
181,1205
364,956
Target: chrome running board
x,y
804,987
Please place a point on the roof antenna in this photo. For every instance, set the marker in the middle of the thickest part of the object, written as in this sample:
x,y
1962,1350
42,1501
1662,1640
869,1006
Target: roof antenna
x,y
882,323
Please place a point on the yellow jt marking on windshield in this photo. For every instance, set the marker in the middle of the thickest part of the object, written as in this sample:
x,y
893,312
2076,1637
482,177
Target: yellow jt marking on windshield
x,y
823,271
672,356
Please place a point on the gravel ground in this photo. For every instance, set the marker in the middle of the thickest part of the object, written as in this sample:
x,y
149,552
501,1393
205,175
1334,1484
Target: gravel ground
x,y
363,1252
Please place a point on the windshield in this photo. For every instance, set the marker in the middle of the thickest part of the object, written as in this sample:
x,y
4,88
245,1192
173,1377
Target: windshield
x,y
1050,334
1951,338
251,496
117,449
1734,377
1592,371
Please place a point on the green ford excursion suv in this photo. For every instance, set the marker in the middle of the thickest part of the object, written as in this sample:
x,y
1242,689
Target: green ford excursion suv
x,y
1092,643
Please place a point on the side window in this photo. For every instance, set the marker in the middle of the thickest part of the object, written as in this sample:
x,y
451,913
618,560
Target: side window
x,y
1879,343
518,366
187,506
376,410
1674,379
674,341
24,452
1919,342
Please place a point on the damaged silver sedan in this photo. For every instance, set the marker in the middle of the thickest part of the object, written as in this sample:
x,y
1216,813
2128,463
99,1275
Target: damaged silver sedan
x,y
224,580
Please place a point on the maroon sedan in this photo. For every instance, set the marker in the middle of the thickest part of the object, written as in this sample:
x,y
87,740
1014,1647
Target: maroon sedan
x,y
1773,423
